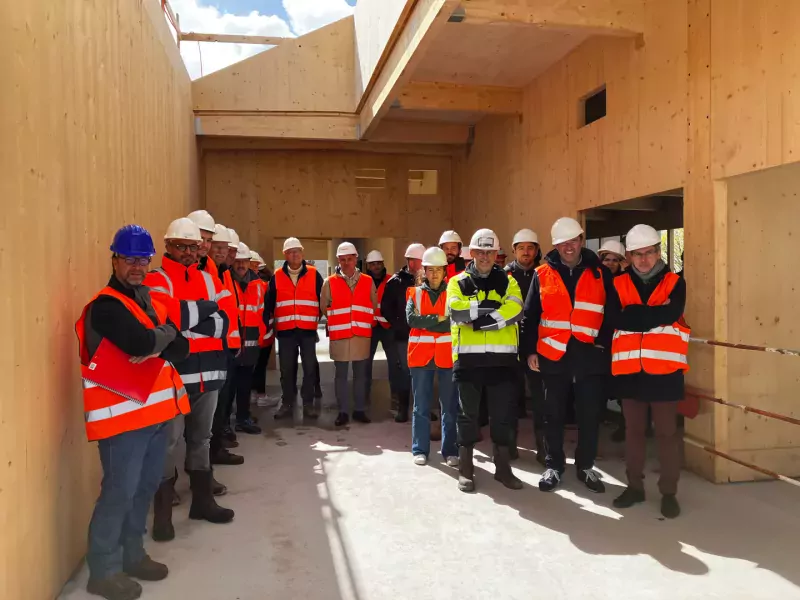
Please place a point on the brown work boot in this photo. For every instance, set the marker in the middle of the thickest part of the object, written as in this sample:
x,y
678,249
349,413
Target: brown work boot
x,y
147,570
115,587
466,470
204,507
503,472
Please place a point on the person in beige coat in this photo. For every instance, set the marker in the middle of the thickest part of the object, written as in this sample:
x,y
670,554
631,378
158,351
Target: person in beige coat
x,y
349,299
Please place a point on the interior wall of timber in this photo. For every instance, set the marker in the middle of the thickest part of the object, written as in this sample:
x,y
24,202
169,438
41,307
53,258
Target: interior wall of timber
x,y
97,132
268,195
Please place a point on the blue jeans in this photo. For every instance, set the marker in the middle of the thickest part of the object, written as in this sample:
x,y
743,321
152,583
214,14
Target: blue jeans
x,y
133,463
422,384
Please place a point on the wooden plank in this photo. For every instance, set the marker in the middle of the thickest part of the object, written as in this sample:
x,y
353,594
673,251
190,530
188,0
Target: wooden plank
x,y
233,39
310,126
425,22
245,143
447,96
420,132
598,17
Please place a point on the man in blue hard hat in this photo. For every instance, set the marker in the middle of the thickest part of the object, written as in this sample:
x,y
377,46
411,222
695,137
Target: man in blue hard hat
x,y
132,435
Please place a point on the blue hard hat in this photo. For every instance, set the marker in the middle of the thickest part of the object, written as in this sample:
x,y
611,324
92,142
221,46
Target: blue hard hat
x,y
133,240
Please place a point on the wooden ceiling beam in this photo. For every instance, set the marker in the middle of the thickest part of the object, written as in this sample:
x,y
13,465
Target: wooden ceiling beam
x,y
598,17
427,20
449,96
210,144
233,39
302,126
420,132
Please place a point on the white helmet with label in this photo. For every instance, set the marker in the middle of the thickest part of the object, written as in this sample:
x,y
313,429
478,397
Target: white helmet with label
x,y
183,229
565,229
203,220
449,236
484,239
415,251
641,236
434,257
374,256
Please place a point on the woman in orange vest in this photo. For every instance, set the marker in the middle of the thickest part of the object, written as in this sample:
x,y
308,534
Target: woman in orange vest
x,y
122,322
430,352
648,360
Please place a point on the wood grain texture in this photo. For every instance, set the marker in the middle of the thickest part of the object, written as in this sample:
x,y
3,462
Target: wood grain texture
x,y
97,132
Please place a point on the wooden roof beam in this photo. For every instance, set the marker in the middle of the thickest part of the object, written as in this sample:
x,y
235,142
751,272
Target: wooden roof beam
x,y
298,126
420,95
598,17
420,132
232,39
426,20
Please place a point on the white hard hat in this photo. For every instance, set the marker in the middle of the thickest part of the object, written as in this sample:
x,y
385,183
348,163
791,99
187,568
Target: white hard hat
x,y
374,256
565,229
415,251
346,249
525,235
292,243
449,236
234,243
641,236
183,229
253,255
203,220
221,234
484,239
434,257
242,252
612,247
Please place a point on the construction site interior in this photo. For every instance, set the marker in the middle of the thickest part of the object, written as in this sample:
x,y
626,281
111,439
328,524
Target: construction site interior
x,y
409,118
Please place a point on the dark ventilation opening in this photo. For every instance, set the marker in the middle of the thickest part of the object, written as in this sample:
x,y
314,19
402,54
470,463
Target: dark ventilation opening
x,y
594,107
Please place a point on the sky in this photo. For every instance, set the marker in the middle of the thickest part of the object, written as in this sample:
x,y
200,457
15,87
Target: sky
x,y
282,18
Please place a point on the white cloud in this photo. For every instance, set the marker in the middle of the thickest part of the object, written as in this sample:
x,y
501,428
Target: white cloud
x,y
207,57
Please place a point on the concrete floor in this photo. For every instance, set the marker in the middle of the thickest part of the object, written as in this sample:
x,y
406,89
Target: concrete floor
x,y
345,515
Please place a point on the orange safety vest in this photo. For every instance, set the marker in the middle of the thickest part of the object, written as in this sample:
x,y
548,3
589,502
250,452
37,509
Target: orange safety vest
x,y
251,313
351,312
660,351
561,320
108,413
234,333
267,333
378,317
296,307
425,345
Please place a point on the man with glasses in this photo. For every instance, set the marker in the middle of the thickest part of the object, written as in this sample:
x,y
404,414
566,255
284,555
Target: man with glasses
x,y
132,436
193,298
567,337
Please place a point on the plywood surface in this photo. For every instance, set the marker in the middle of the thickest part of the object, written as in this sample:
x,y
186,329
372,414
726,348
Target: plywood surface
x,y
97,132
315,72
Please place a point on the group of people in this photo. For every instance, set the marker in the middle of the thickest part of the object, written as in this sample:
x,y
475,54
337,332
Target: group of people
x,y
166,354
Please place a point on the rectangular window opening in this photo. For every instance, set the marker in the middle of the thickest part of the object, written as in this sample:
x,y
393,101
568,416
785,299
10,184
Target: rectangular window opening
x,y
593,107
423,182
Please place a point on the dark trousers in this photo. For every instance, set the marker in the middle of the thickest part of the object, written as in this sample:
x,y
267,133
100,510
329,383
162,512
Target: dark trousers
x,y
386,338
132,466
222,414
534,381
501,402
288,349
590,398
260,371
665,422
243,385
359,385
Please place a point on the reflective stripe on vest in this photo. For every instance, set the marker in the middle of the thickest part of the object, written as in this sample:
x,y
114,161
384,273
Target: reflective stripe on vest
x,y
423,345
108,413
296,307
659,351
251,313
351,313
379,318
561,319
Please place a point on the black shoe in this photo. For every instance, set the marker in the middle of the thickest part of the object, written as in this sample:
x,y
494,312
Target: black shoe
x,y
466,470
223,457
162,530
147,570
310,412
228,434
286,411
342,419
591,479
503,472
628,498
248,426
116,587
669,506
361,417
204,507
217,488
550,480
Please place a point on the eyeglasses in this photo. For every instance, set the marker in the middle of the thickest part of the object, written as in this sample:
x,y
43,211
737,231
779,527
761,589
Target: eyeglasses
x,y
647,254
185,247
142,261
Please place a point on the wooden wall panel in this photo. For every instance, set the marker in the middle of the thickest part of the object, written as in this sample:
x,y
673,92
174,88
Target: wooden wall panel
x,y
276,194
95,114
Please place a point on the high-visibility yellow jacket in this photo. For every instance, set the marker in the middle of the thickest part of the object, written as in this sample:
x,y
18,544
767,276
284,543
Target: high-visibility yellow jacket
x,y
484,325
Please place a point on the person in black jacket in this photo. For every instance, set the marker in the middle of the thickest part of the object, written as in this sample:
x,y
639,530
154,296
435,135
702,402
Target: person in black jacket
x,y
528,256
393,309
654,380
581,365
